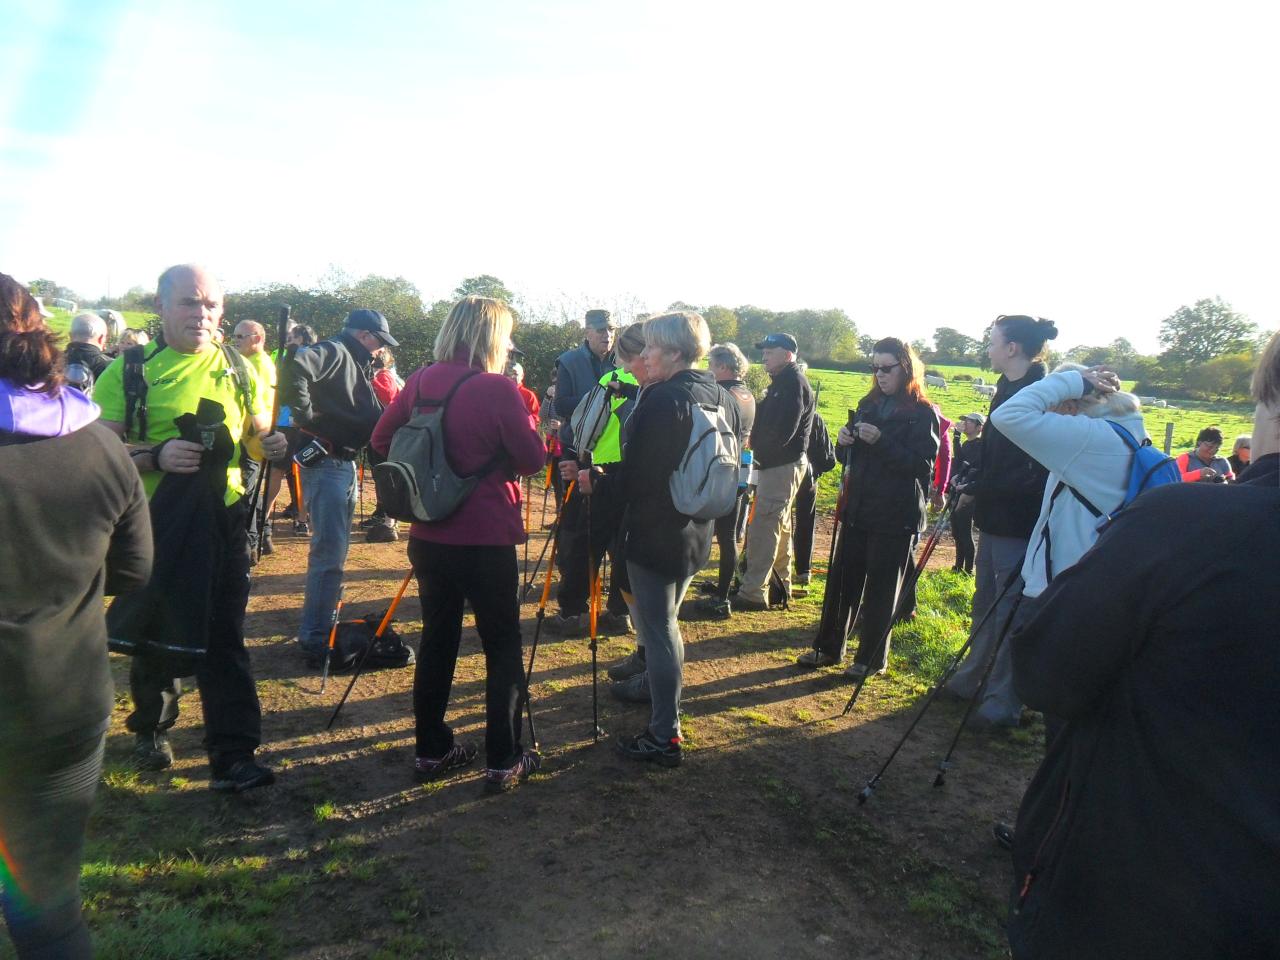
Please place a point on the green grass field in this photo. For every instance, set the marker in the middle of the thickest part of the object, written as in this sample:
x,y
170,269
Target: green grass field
x,y
841,391
61,319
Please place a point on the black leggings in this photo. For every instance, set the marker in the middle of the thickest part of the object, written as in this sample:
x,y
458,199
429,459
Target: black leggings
x,y
962,529
46,791
806,522
727,537
448,575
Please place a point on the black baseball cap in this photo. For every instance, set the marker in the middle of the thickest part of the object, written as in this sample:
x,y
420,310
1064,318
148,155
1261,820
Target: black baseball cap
x,y
373,322
784,340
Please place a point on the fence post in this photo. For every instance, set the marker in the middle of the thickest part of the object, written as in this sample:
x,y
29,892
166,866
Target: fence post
x,y
1168,438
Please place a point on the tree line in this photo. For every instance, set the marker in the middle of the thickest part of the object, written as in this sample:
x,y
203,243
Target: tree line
x,y
1209,349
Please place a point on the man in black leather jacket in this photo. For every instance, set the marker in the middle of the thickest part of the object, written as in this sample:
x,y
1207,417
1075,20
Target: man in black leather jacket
x,y
329,388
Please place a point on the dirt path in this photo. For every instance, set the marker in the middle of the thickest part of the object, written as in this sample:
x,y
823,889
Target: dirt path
x,y
756,847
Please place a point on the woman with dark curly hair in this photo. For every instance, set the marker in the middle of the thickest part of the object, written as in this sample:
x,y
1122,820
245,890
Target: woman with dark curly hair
x,y
64,542
888,449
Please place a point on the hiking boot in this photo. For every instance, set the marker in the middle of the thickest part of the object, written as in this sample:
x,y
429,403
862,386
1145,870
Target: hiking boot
x,y
708,608
634,689
301,529
151,751
628,667
460,755
645,746
501,781
614,623
373,520
246,774
566,626
800,580
817,658
754,606
859,671
268,547
707,587
382,533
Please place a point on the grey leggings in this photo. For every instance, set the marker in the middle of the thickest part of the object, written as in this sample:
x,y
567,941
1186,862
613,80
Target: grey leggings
x,y
657,600
46,791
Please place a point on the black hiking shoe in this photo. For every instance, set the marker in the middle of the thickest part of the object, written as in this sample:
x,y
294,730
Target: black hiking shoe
x,y
613,624
707,608
460,755
629,667
816,658
502,781
246,774
1003,833
566,626
151,751
755,606
301,529
645,746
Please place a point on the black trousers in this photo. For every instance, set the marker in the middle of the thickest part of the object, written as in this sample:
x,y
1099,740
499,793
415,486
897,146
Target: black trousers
x,y
727,538
250,471
488,577
46,793
806,522
870,568
574,559
962,530
228,696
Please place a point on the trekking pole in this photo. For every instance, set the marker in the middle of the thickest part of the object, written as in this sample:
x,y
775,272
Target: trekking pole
x,y
364,654
836,596
297,489
360,487
537,629
524,564
902,593
936,692
259,501
945,763
552,534
333,637
593,606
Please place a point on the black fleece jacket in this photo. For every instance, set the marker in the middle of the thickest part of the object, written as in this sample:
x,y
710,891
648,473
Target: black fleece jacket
x,y
89,354
657,536
1152,829
1010,484
783,419
74,526
329,388
888,481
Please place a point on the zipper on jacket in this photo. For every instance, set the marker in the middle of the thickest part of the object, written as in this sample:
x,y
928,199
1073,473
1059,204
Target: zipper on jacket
x,y
1034,871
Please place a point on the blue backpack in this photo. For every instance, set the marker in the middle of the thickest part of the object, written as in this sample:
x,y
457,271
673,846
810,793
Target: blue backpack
x,y
1151,468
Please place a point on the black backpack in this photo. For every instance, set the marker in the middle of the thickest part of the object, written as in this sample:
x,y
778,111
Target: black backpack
x,y
353,637
820,451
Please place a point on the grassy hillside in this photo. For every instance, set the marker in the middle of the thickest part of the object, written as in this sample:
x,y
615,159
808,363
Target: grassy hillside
x,y
61,319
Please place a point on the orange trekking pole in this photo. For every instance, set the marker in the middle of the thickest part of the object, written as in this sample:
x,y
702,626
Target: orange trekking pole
x,y
333,636
386,619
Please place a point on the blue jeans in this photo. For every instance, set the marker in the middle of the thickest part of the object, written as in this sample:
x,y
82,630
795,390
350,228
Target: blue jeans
x,y
329,492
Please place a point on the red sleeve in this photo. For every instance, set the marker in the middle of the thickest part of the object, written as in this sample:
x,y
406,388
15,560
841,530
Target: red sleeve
x,y
530,401
1188,476
517,429
385,386
396,415
942,467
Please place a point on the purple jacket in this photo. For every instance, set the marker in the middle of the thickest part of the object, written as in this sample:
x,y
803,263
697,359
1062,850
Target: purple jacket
x,y
486,416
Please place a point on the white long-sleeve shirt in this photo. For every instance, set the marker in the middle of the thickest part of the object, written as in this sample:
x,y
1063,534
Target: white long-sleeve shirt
x,y
1080,451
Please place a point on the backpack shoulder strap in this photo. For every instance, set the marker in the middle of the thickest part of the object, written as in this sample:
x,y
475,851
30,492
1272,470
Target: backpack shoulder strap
x,y
240,370
1130,440
134,383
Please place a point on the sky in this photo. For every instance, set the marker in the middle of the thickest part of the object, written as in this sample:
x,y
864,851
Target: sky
x,y
918,165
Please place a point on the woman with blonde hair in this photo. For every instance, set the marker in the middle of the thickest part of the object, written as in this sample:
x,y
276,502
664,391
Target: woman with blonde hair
x,y
664,548
471,554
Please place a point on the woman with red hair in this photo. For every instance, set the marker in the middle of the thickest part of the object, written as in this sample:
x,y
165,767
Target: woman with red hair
x,y
888,448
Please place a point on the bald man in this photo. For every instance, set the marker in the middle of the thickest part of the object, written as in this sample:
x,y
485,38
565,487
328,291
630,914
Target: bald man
x,y
208,557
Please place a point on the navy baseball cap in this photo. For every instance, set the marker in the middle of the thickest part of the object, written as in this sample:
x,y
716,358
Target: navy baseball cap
x,y
373,322
784,340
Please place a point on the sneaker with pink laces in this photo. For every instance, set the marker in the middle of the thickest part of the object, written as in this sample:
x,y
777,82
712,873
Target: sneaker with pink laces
x,y
429,768
500,781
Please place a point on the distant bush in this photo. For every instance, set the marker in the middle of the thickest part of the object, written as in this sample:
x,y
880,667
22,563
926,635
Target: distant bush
x,y
962,378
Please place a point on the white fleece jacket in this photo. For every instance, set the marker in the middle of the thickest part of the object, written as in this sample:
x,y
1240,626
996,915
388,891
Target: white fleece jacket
x,y
1083,452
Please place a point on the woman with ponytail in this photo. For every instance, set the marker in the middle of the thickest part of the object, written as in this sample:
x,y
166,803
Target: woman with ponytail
x,y
1006,497
75,526
888,448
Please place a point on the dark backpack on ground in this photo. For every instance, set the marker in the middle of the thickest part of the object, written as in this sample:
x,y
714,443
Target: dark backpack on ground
x,y
355,636
417,483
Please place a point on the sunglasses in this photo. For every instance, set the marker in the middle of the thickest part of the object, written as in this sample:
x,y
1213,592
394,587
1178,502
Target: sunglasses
x,y
885,369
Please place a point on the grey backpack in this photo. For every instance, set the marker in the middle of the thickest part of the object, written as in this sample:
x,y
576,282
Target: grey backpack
x,y
705,485
417,483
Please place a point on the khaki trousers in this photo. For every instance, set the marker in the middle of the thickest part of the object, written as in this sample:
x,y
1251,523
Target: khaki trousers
x,y
769,535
